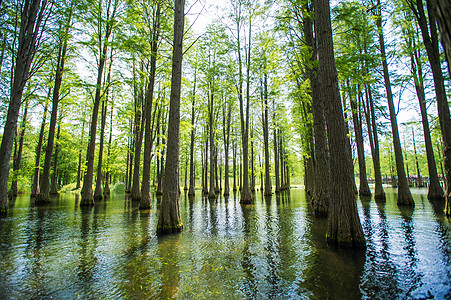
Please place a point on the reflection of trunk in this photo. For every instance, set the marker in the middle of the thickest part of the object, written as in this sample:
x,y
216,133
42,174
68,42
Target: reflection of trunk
x,y
35,187
430,40
18,153
54,181
404,196
30,25
169,219
343,226
364,189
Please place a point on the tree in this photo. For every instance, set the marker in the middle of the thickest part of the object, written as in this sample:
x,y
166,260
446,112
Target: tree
x,y
32,23
404,196
343,226
169,219
103,39
430,40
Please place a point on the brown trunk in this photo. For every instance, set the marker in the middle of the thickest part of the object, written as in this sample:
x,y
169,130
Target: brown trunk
x,y
98,195
227,113
404,196
35,187
135,192
276,156
44,194
145,202
86,192
211,130
234,166
268,187
192,175
343,226
54,180
80,152
169,219
364,189
30,27
435,190
430,40
18,154
252,163
106,190
442,12
319,163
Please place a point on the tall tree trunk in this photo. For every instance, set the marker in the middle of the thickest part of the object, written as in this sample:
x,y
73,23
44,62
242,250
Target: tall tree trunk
x,y
404,196
276,156
268,187
139,130
98,195
435,190
169,219
44,195
227,119
145,202
442,13
30,29
54,180
379,194
35,187
80,152
106,190
246,197
419,178
234,166
252,162
321,182
192,175
343,226
430,40
18,155
86,192
211,130
364,189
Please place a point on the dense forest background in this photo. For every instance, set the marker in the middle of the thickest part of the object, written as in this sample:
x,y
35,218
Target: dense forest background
x,y
96,96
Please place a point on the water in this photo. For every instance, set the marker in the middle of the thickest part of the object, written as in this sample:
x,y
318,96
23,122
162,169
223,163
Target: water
x,y
274,249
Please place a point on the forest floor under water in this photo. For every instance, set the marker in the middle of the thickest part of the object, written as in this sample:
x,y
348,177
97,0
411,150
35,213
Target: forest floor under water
x,y
274,249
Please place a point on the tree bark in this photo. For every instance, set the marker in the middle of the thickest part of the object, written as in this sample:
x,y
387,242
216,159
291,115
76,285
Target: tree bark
x,y
192,176
430,40
404,196
227,113
169,219
364,189
139,130
276,155
18,156
145,202
30,28
343,226
86,192
267,187
54,180
44,195
442,13
106,190
35,187
435,190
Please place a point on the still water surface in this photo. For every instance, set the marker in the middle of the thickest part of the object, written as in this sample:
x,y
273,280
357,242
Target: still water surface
x,y
274,249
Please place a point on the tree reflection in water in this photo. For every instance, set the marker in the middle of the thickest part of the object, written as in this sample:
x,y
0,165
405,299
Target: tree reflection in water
x,y
273,249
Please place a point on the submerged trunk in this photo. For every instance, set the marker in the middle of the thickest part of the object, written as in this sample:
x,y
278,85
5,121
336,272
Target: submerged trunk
x,y
343,226
169,219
